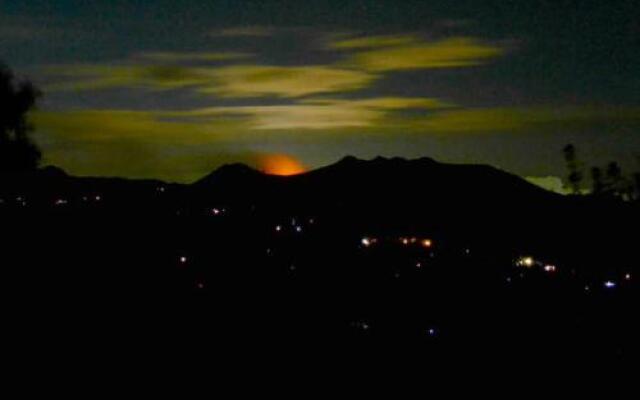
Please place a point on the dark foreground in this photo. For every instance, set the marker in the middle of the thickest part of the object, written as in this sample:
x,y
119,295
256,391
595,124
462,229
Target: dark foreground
x,y
92,277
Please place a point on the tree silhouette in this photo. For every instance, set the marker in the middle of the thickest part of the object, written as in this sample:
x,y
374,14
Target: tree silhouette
x,y
614,178
575,175
17,152
596,177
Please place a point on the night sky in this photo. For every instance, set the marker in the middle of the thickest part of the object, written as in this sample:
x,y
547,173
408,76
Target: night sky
x,y
172,89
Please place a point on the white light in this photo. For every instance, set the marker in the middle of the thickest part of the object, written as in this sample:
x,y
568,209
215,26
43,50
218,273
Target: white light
x,y
298,229
366,242
627,277
550,268
431,332
98,198
215,211
183,259
609,284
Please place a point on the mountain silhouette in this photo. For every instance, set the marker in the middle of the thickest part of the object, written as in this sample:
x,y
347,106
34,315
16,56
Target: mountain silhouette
x,y
468,203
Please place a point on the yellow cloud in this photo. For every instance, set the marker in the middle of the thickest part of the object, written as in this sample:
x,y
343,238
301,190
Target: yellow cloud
x,y
192,56
372,42
92,77
140,144
183,145
108,125
519,119
446,53
388,103
226,81
315,114
281,81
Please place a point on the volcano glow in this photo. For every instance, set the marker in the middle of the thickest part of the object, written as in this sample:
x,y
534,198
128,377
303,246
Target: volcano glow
x,y
281,164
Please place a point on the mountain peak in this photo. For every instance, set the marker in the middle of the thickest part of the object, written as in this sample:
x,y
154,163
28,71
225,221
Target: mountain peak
x,y
229,172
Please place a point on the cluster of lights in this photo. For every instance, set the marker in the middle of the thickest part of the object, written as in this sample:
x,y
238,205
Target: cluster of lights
x,y
526,262
295,226
61,202
368,241
427,243
529,262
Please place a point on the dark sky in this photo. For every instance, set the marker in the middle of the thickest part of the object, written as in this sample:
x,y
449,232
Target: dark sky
x,y
172,89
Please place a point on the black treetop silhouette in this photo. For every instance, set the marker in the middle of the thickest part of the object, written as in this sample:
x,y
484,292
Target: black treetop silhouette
x,y
17,152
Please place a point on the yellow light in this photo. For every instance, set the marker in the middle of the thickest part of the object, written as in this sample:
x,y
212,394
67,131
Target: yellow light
x,y
427,243
527,262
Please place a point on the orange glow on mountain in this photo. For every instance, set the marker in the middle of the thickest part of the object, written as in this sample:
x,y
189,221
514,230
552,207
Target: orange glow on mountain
x,y
281,164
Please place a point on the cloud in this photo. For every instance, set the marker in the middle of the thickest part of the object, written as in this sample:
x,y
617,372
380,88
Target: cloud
x,y
407,55
184,145
315,114
246,31
106,125
285,81
192,56
372,42
234,81
94,77
533,119
139,144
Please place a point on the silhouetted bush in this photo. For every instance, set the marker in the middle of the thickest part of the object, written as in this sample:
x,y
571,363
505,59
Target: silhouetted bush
x,y
17,152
